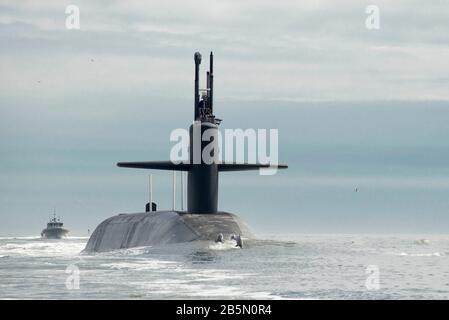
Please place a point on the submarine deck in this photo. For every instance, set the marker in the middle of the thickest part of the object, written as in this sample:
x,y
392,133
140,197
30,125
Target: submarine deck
x,y
163,227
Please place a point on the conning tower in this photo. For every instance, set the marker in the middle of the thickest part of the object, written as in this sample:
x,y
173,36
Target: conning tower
x,y
202,185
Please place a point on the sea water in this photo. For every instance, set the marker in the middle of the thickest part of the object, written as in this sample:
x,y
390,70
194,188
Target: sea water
x,y
273,267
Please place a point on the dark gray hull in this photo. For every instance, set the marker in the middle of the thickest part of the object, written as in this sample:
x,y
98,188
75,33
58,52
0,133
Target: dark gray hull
x,y
163,227
54,233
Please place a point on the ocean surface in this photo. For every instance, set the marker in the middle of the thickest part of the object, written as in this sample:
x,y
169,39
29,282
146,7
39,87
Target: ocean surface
x,y
274,267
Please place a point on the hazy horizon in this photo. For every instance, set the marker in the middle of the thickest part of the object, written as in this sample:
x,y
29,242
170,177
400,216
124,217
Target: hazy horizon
x,y
355,108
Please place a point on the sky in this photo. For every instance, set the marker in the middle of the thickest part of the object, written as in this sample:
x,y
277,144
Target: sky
x,y
355,108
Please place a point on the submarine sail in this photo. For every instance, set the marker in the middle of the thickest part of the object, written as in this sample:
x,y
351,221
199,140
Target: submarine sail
x,y
202,220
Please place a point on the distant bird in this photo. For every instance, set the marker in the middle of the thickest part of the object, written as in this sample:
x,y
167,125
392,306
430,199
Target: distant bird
x,y
91,60
38,81
356,190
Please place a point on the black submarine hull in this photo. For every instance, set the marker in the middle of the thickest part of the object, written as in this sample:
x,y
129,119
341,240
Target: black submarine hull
x,y
163,227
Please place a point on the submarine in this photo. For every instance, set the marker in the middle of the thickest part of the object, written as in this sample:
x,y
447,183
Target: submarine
x,y
201,221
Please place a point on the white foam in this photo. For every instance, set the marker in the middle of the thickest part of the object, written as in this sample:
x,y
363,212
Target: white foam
x,y
146,264
195,290
432,254
227,245
423,241
42,248
21,238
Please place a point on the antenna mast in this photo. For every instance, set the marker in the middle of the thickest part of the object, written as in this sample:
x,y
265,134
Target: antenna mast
x,y
174,191
211,82
182,191
150,180
197,58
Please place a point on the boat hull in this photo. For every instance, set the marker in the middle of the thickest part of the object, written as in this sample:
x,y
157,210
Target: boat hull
x,y
54,233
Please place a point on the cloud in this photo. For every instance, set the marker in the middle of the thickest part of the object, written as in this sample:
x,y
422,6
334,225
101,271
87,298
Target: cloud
x,y
296,50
